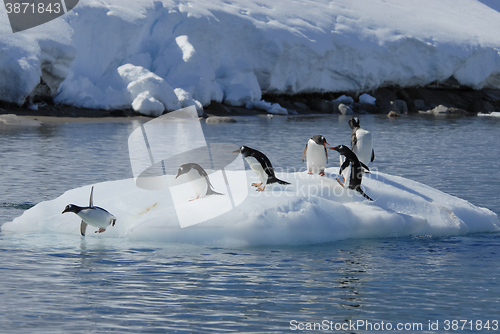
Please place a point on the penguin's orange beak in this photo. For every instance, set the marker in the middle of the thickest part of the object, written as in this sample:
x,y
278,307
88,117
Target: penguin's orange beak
x,y
177,176
333,148
326,144
64,211
237,151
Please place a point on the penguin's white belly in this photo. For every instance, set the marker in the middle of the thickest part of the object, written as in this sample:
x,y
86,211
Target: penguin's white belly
x,y
346,173
257,168
316,157
198,183
96,217
363,147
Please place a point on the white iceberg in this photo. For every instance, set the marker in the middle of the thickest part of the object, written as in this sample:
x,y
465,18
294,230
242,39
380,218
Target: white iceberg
x,y
312,210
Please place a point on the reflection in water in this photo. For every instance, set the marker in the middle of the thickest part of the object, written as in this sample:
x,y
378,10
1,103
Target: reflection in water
x,y
351,277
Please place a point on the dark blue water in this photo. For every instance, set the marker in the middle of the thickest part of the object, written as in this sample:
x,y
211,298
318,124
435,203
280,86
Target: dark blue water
x,y
64,284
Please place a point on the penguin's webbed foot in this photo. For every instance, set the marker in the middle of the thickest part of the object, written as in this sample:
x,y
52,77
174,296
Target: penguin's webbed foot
x,y
256,184
193,199
322,173
310,173
100,230
261,188
341,183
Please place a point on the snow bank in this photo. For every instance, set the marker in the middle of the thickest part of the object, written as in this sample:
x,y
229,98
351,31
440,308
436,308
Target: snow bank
x,y
234,51
311,210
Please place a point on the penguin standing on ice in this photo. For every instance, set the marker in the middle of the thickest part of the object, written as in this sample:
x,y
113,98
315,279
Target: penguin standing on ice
x,y
92,215
261,165
356,169
198,178
361,142
317,155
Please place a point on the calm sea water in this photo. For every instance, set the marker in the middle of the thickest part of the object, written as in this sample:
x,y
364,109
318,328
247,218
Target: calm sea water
x,y
55,283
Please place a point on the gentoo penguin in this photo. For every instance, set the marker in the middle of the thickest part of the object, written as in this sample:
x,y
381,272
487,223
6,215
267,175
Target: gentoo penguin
x,y
92,215
317,155
198,178
261,165
361,142
356,171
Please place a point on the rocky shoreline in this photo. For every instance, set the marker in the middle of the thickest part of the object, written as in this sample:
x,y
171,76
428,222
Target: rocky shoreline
x,y
392,101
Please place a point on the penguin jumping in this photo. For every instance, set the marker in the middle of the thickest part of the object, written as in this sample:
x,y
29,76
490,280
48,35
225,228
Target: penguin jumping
x,y
317,155
261,165
361,142
198,178
92,215
356,169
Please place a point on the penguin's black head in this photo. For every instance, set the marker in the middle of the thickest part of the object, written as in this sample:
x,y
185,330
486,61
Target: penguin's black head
x,y
354,123
72,208
320,140
183,169
342,149
244,150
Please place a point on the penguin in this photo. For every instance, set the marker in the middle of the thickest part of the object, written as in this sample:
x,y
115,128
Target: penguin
x,y
261,165
198,178
361,142
356,169
317,155
92,215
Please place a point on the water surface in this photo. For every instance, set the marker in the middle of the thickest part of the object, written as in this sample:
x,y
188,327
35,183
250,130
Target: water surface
x,y
58,283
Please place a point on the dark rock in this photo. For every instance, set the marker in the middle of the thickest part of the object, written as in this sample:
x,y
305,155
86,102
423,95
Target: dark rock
x,y
457,111
370,108
300,106
398,106
420,104
458,98
321,105
481,106
384,95
402,94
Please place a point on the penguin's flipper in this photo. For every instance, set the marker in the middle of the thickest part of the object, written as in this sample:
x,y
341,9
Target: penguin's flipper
x,y
344,166
304,154
83,228
326,154
91,200
364,166
373,155
354,140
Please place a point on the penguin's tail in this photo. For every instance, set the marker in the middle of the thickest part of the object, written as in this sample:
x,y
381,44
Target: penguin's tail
x,y
210,191
359,190
274,179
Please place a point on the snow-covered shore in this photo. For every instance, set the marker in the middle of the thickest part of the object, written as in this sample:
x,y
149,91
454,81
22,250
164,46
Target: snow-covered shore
x,y
162,55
